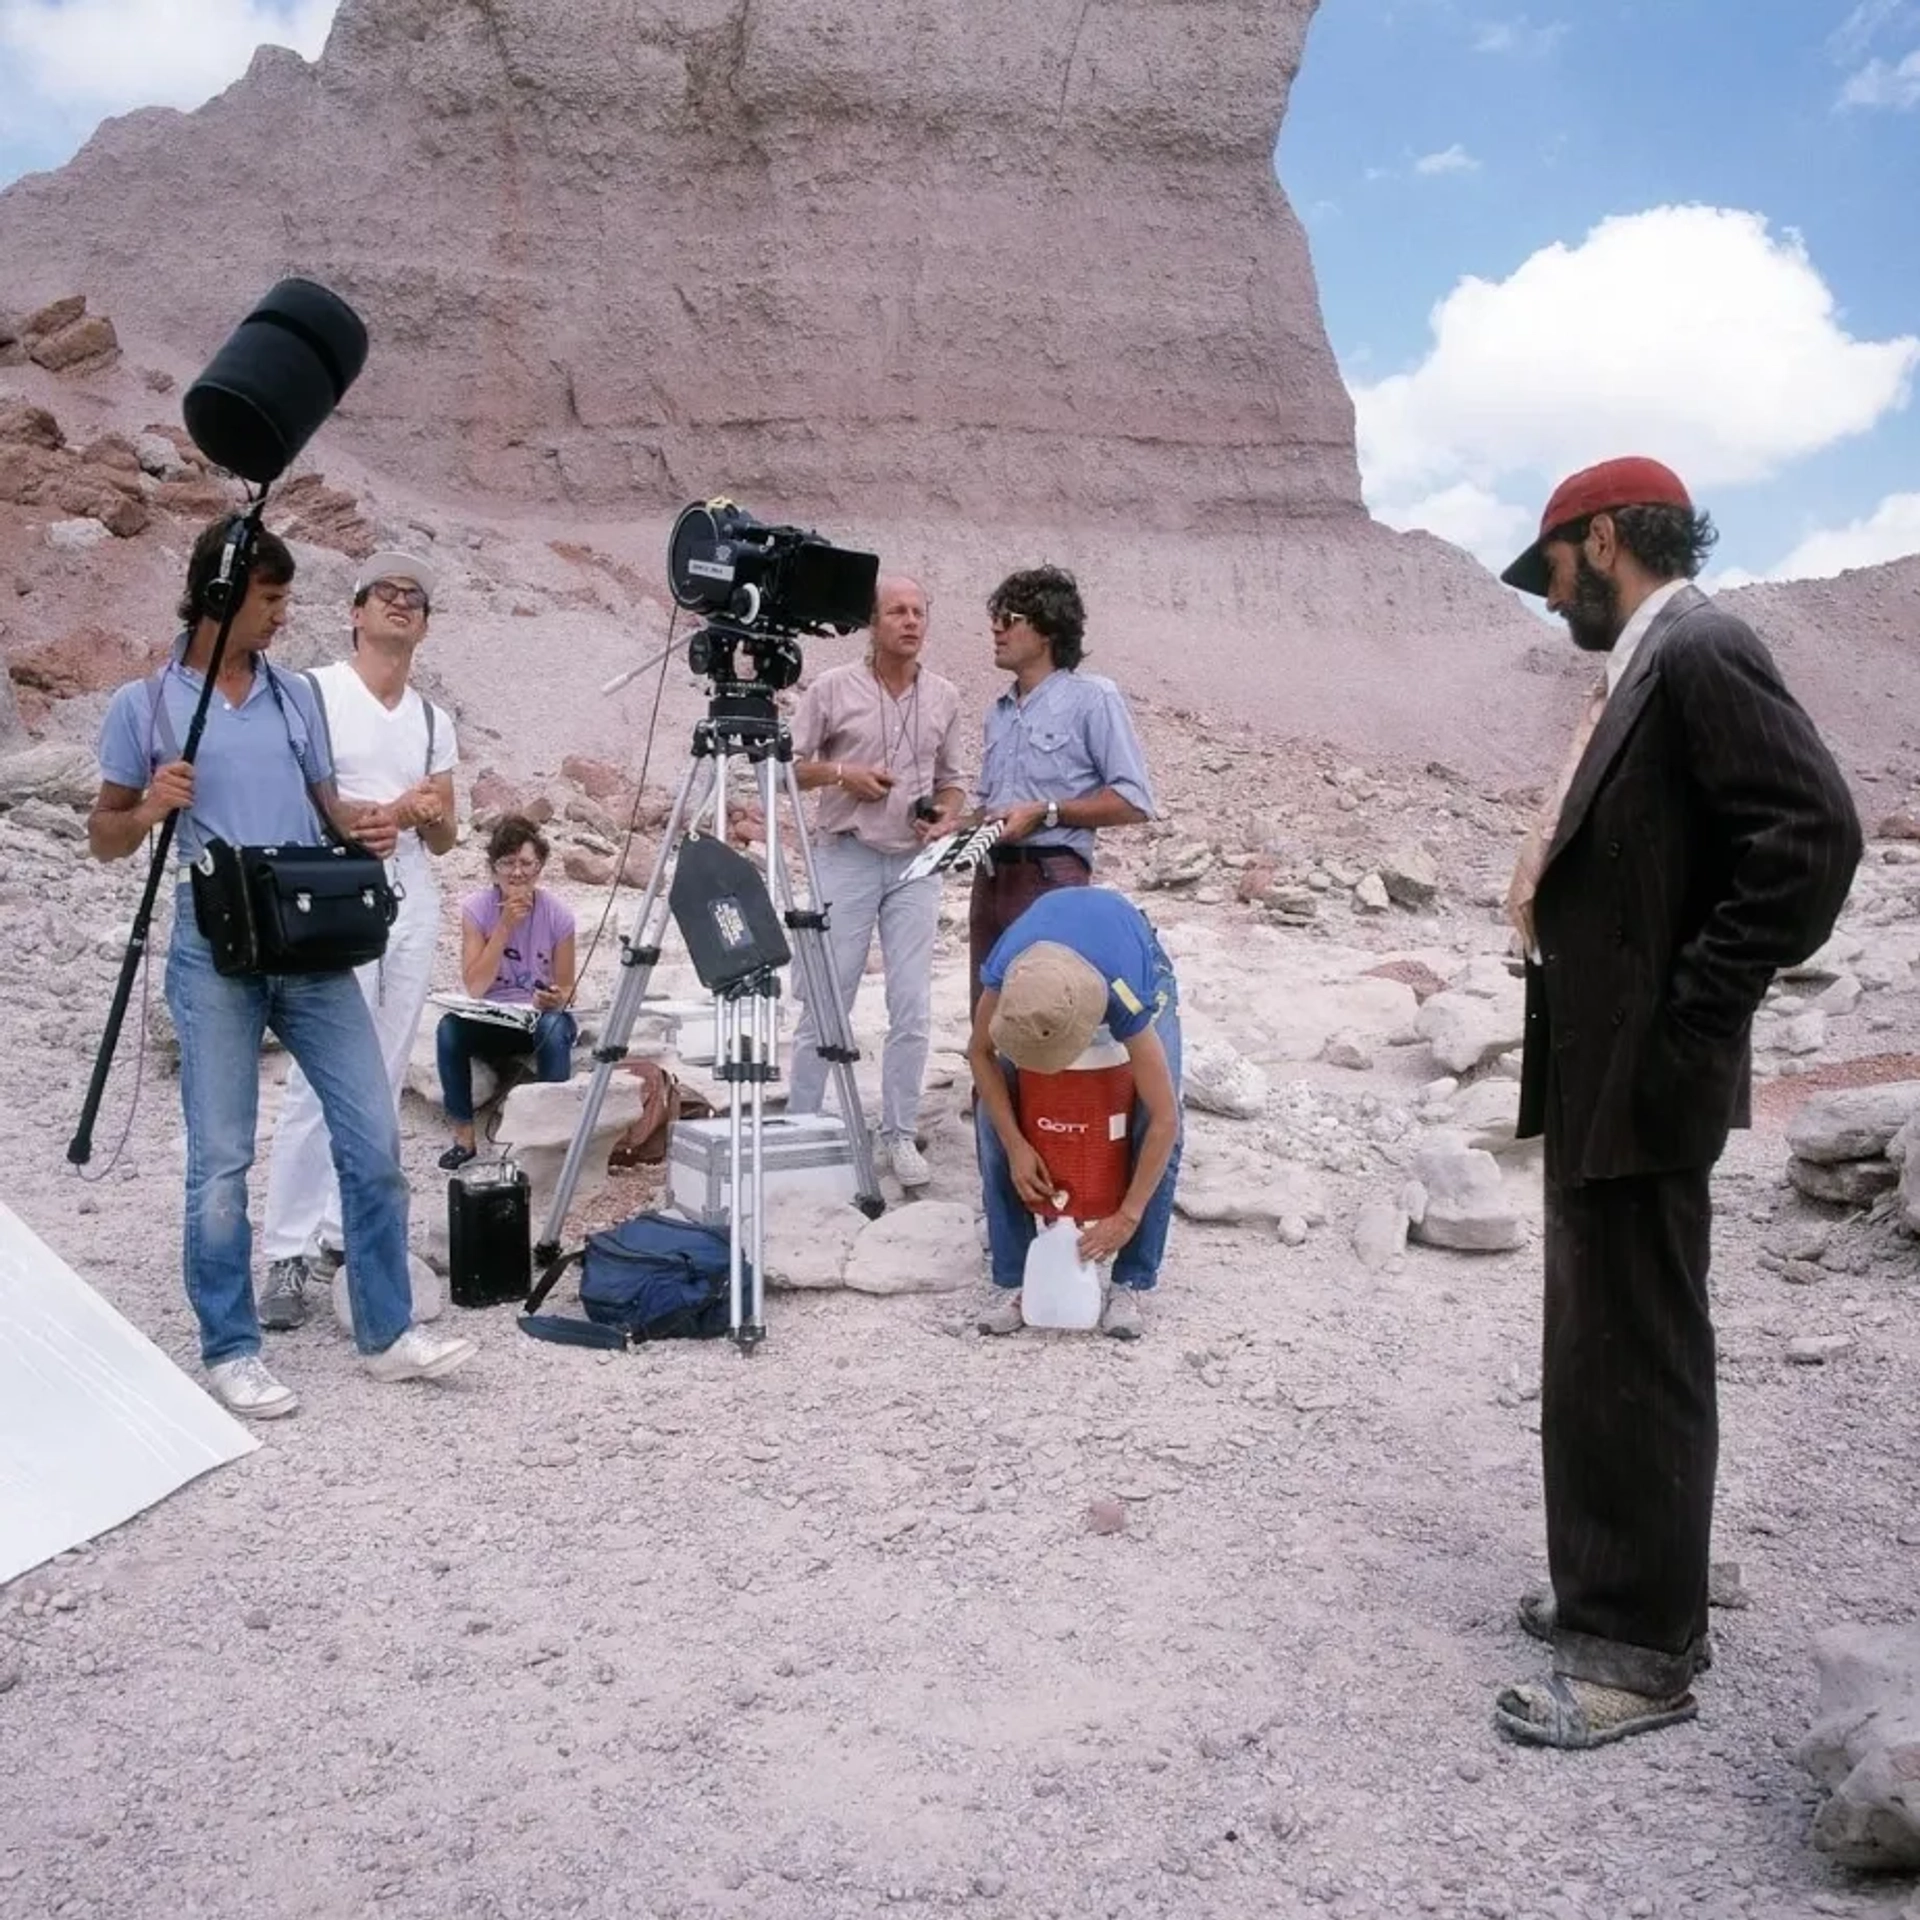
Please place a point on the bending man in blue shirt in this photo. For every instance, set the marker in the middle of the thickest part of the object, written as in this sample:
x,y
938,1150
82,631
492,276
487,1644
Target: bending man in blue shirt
x,y
1059,757
260,775
1077,959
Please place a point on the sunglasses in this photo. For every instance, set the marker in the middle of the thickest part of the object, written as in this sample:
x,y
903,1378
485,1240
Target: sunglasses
x,y
1003,622
409,599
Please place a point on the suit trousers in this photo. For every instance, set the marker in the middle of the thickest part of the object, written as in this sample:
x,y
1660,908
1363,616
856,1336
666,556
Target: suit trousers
x,y
1629,1425
1002,891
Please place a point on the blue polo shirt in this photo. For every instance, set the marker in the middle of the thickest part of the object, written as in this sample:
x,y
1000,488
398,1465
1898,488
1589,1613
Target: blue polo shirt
x,y
1071,736
1108,932
256,760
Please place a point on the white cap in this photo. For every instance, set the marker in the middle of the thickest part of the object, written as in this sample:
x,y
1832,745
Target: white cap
x,y
394,566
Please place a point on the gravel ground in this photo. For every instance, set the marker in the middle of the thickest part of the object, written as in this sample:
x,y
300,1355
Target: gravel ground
x,y
834,1629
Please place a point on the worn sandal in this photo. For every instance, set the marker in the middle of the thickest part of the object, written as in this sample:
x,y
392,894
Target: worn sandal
x,y
456,1157
1574,1715
1538,1617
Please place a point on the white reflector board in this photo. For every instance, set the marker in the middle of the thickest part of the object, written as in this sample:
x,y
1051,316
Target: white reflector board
x,y
96,1423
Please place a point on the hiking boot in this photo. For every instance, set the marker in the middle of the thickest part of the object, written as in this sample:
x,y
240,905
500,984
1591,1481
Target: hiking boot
x,y
283,1300
420,1355
910,1165
1004,1314
324,1263
245,1385
1120,1320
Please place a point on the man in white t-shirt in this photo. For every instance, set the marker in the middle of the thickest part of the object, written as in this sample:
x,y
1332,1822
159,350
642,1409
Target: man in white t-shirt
x,y
395,751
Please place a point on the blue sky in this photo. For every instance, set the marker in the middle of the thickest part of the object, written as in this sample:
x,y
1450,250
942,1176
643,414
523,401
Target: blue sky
x,y
1683,227
1694,226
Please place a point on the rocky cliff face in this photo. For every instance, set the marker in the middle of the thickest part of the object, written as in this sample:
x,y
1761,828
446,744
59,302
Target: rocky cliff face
x,y
1017,262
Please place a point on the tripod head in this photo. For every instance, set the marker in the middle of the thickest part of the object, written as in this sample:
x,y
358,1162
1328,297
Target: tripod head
x,y
742,658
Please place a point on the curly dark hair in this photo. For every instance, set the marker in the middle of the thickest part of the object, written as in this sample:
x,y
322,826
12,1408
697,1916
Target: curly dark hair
x,y
1048,599
514,832
272,565
1672,543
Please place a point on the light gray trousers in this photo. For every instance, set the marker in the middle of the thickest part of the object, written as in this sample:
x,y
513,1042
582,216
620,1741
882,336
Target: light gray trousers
x,y
864,890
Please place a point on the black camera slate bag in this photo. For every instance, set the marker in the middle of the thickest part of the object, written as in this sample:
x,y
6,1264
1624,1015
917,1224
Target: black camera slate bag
x,y
299,909
276,910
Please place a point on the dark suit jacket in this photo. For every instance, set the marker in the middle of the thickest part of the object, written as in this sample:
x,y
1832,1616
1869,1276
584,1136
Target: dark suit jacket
x,y
1706,841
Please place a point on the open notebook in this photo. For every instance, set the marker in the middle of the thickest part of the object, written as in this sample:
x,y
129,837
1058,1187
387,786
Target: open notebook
x,y
494,1012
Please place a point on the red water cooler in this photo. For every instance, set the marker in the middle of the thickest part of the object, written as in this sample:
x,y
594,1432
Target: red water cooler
x,y
1080,1123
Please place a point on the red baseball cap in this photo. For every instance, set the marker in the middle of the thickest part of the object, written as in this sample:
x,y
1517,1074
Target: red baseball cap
x,y
1632,482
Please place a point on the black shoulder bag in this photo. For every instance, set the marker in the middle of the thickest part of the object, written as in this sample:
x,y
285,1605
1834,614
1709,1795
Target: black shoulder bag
x,y
301,909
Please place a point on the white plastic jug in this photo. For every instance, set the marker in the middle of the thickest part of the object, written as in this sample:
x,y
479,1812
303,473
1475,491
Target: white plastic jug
x,y
1059,1288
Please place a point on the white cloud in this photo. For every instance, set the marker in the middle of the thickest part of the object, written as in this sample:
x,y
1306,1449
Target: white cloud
x,y
1890,532
1518,37
106,56
1690,333
1470,516
1453,159
1883,83
1868,22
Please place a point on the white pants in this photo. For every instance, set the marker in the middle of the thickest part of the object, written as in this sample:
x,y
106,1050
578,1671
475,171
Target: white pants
x,y
303,1190
864,890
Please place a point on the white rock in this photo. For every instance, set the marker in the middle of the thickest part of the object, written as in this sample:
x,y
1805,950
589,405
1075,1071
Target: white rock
x,y
1293,1231
1410,877
1240,1186
538,1121
1842,996
429,1293
1852,1123
1371,896
809,1239
1348,1050
1804,1033
925,1247
1842,1183
1466,1029
63,775
1379,1235
157,455
1487,1112
75,536
1217,1079
1467,1204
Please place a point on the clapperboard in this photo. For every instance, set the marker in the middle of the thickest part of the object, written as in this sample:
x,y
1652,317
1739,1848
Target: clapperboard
x,y
957,852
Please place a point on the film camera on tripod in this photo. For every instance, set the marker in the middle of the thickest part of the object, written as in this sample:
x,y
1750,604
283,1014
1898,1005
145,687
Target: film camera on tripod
x,y
758,589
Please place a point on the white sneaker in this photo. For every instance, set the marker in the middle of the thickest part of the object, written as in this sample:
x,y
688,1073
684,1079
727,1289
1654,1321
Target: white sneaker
x,y
910,1165
420,1355
246,1385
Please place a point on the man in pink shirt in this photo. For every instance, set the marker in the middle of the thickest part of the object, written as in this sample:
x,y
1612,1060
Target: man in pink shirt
x,y
879,739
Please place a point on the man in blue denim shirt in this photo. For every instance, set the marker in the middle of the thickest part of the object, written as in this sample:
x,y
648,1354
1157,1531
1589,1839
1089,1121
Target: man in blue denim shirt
x,y
260,771
1060,757
1078,959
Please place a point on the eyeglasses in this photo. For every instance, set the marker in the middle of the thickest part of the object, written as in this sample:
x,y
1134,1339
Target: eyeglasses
x,y
530,864
409,599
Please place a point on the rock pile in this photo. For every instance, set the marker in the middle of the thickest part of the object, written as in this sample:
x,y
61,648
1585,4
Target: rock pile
x,y
62,336
1840,1142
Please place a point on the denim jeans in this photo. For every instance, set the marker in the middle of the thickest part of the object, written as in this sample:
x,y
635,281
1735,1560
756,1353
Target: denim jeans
x,y
459,1042
324,1023
1010,1226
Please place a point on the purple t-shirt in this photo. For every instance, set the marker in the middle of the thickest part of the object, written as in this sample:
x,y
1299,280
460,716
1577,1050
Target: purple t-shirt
x,y
528,960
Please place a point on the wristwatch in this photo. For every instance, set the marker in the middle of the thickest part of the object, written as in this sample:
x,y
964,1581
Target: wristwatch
x,y
1051,818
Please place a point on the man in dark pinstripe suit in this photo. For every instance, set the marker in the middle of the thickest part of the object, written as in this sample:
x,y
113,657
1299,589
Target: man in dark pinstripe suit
x,y
1700,838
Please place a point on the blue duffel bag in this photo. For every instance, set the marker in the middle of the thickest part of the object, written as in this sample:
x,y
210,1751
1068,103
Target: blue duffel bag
x,y
653,1277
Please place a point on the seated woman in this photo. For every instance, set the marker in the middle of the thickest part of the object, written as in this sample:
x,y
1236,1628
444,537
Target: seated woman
x,y
517,950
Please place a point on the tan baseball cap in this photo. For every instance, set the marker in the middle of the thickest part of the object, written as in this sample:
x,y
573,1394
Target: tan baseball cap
x,y
1050,1007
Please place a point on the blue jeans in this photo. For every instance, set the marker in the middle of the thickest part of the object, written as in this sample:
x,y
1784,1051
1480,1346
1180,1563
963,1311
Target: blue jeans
x,y
1010,1226
459,1042
324,1023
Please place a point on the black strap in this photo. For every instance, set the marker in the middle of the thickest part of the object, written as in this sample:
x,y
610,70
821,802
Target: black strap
x,y
565,1331
550,1277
